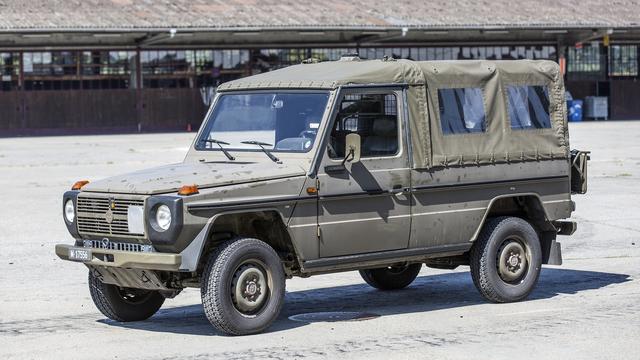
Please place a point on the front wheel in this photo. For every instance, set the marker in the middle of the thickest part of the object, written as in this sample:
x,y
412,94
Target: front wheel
x,y
391,277
123,304
243,286
506,259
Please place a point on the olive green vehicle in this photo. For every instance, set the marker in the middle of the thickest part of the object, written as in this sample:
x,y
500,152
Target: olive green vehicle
x,y
378,166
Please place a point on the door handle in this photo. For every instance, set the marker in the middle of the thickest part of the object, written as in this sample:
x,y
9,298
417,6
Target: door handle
x,y
399,190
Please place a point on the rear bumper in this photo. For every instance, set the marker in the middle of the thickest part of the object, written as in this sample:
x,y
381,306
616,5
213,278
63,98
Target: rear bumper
x,y
125,259
565,227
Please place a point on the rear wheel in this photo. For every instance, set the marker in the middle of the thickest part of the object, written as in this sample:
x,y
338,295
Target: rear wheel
x,y
243,286
391,277
506,260
123,304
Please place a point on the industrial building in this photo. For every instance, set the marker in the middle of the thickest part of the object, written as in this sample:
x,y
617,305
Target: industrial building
x,y
126,66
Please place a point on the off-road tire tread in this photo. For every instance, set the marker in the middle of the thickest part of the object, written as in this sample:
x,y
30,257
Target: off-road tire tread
x,y
213,307
479,266
382,284
100,297
96,289
479,257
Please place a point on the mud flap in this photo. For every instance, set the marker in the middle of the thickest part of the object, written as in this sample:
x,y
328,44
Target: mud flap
x,y
555,254
551,250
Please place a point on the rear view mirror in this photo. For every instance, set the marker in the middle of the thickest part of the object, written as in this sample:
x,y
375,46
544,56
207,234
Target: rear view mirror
x,y
352,148
351,154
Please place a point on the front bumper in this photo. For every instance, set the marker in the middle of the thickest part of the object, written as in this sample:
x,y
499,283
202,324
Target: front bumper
x,y
125,259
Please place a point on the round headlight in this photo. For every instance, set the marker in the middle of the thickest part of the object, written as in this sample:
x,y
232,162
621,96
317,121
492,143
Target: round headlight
x,y
163,217
69,211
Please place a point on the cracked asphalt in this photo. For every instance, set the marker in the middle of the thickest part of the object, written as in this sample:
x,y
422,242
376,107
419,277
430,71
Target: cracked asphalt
x,y
588,308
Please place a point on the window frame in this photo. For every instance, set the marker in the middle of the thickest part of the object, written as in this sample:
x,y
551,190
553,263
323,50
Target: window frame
x,y
616,65
195,146
377,90
436,109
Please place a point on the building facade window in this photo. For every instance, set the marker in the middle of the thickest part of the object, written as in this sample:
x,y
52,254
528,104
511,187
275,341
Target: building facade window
x,y
462,53
51,70
192,68
108,69
330,54
9,70
165,69
585,62
207,68
271,59
623,60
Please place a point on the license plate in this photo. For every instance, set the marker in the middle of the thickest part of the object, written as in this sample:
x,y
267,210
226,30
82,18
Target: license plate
x,y
79,254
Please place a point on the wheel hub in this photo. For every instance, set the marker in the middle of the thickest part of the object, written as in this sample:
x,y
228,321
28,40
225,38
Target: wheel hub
x,y
249,288
512,261
252,288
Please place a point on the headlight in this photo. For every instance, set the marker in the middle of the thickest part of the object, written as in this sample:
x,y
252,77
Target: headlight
x,y
69,211
163,217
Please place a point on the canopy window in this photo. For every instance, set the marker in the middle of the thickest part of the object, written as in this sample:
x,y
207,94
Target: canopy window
x,y
461,111
528,107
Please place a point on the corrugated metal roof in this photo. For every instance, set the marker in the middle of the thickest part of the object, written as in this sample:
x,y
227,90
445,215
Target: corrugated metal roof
x,y
121,15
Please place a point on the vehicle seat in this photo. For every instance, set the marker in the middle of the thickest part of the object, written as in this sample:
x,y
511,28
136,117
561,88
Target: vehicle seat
x,y
383,139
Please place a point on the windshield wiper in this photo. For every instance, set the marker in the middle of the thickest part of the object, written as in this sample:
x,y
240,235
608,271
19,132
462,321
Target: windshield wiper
x,y
262,145
220,143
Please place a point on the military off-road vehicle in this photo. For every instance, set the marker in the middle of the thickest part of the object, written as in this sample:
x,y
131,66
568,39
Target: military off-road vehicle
x,y
378,166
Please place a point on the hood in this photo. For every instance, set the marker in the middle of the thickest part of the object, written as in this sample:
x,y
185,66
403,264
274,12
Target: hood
x,y
170,178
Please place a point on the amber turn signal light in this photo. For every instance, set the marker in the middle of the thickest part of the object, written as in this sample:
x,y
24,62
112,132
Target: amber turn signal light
x,y
312,190
79,184
188,190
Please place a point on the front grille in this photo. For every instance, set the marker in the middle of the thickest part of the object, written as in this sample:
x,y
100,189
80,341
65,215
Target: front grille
x,y
110,245
105,216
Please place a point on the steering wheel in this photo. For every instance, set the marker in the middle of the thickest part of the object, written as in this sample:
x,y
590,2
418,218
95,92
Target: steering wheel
x,y
309,134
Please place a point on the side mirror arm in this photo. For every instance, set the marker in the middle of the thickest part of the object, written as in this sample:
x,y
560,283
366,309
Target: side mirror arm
x,y
348,157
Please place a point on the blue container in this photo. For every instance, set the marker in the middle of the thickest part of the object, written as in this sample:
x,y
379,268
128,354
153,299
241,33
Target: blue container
x,y
575,110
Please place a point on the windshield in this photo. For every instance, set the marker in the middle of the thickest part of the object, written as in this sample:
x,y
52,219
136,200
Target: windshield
x,y
280,121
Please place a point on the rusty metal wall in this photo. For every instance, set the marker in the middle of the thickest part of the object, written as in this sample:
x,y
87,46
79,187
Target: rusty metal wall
x,y
171,109
581,89
96,110
623,101
10,111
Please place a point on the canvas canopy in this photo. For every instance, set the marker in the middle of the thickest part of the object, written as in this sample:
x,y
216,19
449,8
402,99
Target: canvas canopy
x,y
433,144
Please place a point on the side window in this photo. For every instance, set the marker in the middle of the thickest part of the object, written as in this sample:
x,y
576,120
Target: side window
x,y
374,117
528,107
461,111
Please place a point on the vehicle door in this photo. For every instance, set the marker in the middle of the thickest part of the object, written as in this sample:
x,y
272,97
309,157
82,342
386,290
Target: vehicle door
x,y
365,206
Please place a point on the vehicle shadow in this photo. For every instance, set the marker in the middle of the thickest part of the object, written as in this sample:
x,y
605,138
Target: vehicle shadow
x,y
427,293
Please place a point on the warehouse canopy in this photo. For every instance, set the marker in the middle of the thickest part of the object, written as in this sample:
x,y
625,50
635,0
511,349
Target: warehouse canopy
x,y
118,15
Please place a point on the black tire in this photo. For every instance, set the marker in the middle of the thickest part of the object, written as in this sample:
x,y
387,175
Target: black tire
x,y
233,266
123,304
511,239
391,277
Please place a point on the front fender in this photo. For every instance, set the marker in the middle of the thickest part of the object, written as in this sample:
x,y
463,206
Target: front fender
x,y
191,255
